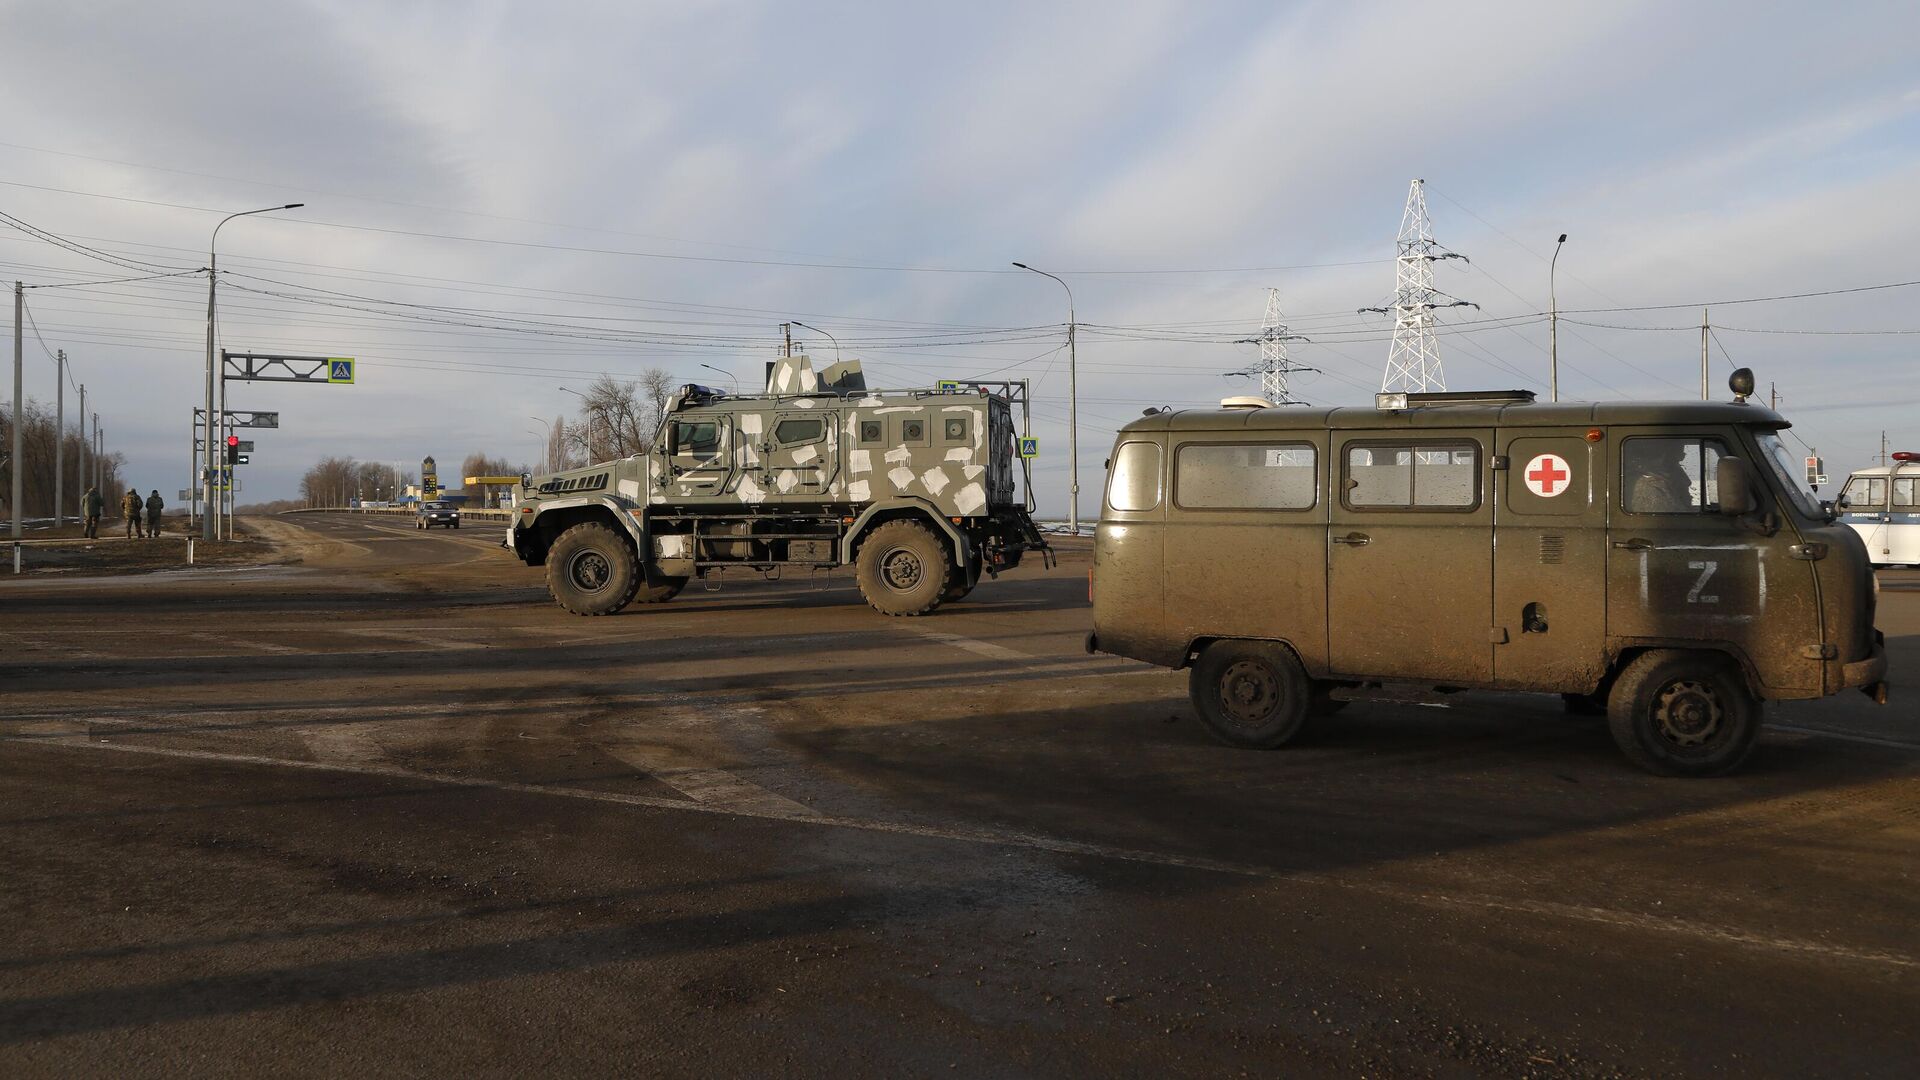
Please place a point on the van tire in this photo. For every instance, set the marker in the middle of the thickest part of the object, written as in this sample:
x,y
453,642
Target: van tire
x,y
903,569
662,590
591,570
1251,694
1680,713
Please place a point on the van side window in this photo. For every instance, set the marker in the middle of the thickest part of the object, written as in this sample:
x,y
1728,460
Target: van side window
x,y
1906,494
1423,476
1670,475
1865,493
1135,481
1245,476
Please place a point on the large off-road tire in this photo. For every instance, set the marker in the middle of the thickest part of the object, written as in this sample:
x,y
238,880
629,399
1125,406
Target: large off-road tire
x,y
591,570
903,569
1253,694
1680,713
663,590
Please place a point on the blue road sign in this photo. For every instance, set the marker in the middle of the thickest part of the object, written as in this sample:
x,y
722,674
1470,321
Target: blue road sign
x,y
340,369
947,384
1029,446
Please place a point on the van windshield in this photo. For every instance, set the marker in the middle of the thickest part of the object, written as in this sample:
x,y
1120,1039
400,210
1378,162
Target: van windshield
x,y
1780,459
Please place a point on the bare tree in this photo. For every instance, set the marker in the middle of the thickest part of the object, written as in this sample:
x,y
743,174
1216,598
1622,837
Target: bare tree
x,y
619,419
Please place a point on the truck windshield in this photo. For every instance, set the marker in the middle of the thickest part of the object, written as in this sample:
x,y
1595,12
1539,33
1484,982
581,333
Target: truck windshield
x,y
1781,461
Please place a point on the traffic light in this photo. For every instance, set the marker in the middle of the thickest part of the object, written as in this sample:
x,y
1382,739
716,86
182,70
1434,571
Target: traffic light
x,y
233,449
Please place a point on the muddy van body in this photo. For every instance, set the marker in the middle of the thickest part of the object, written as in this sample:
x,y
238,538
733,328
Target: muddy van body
x,y
1655,559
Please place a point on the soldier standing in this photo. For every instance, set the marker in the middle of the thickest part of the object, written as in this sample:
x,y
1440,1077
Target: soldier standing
x,y
155,504
130,509
90,506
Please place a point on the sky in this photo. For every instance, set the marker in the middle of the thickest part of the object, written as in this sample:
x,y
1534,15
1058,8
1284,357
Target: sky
x,y
505,199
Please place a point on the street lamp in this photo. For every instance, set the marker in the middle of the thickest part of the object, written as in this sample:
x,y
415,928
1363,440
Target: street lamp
x,y
735,383
1553,324
589,415
1073,408
546,456
207,522
830,337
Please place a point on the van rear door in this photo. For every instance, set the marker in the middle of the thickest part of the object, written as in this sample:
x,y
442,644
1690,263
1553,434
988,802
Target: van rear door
x,y
1410,557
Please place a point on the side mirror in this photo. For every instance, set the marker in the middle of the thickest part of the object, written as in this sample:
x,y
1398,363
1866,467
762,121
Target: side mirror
x,y
1733,479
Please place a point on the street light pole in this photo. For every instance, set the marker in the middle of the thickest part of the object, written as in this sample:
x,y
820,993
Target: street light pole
x,y
1553,325
546,456
830,337
589,414
206,480
1073,408
731,381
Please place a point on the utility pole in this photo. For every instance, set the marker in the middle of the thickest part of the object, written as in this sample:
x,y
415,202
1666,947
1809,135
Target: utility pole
x,y
1773,397
1413,360
1703,354
99,452
1883,448
786,330
60,438
81,479
1073,405
19,442
1275,365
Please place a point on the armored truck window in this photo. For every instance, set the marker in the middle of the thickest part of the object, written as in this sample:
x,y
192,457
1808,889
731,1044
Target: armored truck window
x,y
1134,483
699,438
791,432
1425,476
1670,475
1244,477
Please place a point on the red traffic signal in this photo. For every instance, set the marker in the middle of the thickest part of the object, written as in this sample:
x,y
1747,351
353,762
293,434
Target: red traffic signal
x,y
233,441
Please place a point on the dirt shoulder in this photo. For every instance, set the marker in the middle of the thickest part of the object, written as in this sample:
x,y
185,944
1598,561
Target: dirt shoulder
x,y
66,551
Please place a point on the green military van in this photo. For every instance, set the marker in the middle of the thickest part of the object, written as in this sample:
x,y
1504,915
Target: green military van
x,y
1654,558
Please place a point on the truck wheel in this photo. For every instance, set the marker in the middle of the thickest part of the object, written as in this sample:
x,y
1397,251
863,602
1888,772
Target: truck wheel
x,y
1250,693
591,570
1678,713
663,590
902,569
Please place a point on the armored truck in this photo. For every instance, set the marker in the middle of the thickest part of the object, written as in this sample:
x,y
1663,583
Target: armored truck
x,y
1653,559
916,489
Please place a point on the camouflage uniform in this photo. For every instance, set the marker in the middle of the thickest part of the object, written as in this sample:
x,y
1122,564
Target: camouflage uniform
x,y
91,504
130,509
155,504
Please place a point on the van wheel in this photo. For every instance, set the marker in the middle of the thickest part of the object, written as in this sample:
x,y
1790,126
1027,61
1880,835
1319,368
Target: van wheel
x,y
662,590
1677,713
591,570
903,569
1250,693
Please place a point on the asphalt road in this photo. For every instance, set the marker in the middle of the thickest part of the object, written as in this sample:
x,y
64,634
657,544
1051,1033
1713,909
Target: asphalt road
x,y
392,810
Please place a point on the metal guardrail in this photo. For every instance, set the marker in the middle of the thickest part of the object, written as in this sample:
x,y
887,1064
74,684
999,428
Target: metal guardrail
x,y
399,511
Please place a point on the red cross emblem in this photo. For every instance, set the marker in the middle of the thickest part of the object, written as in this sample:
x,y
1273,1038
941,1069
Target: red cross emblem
x,y
1547,475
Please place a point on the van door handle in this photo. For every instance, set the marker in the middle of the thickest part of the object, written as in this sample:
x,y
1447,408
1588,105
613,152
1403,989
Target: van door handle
x,y
1635,544
1354,538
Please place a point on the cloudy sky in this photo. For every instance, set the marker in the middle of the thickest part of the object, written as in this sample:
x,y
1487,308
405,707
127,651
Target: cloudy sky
x,y
503,199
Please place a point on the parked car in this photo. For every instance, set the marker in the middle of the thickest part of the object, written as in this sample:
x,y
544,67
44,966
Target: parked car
x,y
437,513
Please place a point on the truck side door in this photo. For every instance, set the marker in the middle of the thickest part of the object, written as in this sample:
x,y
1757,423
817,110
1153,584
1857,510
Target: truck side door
x,y
1550,561
800,455
1410,557
699,452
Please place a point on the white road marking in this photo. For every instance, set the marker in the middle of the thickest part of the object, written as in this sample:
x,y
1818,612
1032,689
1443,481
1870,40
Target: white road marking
x,y
236,641
411,637
1828,733
717,788
978,648
343,744
1624,920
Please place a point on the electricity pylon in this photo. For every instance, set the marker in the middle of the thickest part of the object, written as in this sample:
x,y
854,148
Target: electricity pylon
x,y
1274,365
1413,360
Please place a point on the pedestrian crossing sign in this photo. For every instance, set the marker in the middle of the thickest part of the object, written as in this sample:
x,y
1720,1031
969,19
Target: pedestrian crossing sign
x,y
340,369
1029,446
947,384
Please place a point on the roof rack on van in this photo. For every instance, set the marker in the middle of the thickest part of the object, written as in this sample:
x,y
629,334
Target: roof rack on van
x,y
1398,401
